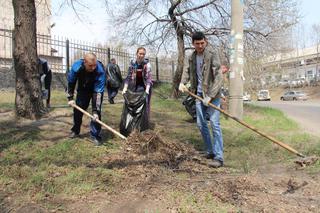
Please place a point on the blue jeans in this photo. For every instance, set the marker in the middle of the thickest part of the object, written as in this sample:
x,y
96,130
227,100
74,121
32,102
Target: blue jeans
x,y
214,118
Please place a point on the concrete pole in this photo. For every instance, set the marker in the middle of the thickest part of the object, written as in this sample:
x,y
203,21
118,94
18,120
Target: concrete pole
x,y
236,76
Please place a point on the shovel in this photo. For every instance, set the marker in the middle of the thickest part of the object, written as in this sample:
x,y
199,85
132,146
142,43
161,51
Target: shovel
x,y
303,162
99,122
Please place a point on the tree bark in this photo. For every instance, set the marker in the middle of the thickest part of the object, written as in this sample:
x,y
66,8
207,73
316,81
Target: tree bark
x,y
28,100
181,49
179,70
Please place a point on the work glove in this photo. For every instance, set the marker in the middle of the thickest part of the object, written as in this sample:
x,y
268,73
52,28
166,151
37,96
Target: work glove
x,y
71,102
148,89
145,95
95,117
206,100
42,78
125,88
182,88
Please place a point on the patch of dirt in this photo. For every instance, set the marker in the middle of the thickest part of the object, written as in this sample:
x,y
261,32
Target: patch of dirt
x,y
4,206
152,165
31,208
158,174
153,147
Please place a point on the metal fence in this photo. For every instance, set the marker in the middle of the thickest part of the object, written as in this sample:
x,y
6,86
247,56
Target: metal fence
x,y
61,52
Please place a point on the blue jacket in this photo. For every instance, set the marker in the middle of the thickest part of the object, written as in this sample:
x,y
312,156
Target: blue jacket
x,y
93,82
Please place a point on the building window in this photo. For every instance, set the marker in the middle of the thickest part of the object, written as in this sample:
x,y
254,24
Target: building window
x,y
310,74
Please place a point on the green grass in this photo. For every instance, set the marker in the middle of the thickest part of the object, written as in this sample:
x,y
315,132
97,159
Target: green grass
x,y
248,150
33,167
49,179
244,149
197,202
65,152
269,119
39,168
6,100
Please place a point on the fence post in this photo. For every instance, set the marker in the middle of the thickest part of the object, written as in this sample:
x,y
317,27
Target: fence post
x,y
157,69
67,55
108,55
172,70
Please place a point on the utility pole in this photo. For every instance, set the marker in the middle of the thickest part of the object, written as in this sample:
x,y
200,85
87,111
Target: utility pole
x,y
236,76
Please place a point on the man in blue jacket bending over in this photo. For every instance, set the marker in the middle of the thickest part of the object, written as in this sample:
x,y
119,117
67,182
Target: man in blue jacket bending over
x,y
90,75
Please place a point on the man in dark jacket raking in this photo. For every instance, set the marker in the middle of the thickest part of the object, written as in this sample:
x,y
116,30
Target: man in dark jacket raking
x,y
90,76
205,78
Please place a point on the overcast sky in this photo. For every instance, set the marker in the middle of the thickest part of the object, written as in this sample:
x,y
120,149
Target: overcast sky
x,y
95,26
310,12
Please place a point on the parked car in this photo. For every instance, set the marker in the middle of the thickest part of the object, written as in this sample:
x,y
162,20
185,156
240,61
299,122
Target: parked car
x,y
263,95
284,83
246,97
294,96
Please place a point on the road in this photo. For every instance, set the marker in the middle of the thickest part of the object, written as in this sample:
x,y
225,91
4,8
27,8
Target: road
x,y
305,113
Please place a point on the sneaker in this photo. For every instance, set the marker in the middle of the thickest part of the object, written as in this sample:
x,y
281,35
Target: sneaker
x,y
216,164
73,135
111,101
95,141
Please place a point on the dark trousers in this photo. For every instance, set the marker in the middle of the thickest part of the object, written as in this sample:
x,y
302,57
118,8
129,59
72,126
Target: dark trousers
x,y
47,85
112,92
83,101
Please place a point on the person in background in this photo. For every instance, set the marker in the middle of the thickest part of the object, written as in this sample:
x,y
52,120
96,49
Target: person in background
x,y
45,79
114,80
90,75
205,77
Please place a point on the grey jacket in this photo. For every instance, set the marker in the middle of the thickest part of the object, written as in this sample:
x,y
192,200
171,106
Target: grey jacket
x,y
212,76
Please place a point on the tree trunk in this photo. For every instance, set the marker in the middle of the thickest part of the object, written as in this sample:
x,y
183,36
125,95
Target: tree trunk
x,y
179,70
181,49
28,101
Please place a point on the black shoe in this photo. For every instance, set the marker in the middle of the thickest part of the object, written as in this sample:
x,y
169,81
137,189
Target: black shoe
x,y
216,164
95,141
73,135
111,101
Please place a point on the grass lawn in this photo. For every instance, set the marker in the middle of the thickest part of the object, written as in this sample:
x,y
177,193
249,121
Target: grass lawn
x,y
38,163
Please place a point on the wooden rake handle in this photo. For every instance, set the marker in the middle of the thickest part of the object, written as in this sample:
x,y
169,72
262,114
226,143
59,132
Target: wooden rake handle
x,y
98,121
283,145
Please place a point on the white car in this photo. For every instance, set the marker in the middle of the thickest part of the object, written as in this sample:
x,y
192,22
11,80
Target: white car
x,y
263,95
294,96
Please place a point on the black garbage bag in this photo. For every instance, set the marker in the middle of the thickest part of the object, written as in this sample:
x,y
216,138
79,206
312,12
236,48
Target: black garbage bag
x,y
114,79
134,113
190,105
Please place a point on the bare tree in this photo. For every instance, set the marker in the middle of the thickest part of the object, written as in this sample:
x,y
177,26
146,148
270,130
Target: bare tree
x,y
28,101
159,23
316,40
